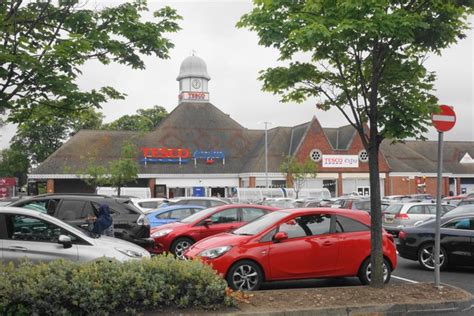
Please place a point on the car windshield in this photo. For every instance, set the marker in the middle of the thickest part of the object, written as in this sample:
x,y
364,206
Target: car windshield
x,y
460,210
199,215
74,229
393,208
260,224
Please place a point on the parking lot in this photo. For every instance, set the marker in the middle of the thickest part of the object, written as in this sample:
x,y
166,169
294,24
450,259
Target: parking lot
x,y
407,271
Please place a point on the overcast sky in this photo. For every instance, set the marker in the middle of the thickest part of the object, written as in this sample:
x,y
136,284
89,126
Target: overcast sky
x,y
234,59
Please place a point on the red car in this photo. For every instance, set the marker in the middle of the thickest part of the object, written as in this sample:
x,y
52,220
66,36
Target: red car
x,y
178,236
295,244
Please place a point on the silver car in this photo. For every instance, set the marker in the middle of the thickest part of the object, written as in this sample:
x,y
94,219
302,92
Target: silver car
x,y
39,237
399,215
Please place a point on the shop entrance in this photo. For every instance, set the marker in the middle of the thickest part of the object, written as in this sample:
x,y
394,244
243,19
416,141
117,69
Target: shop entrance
x,y
218,192
331,186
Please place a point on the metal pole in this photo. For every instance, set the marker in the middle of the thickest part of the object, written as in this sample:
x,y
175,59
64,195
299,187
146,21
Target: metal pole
x,y
438,209
266,156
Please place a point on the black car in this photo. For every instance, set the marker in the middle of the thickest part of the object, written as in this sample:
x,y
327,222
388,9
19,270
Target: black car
x,y
457,242
129,222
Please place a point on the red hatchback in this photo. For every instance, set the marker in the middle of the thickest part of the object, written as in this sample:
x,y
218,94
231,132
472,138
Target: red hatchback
x,y
178,236
295,244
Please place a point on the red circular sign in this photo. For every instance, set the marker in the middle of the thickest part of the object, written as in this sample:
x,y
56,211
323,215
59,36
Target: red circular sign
x,y
445,119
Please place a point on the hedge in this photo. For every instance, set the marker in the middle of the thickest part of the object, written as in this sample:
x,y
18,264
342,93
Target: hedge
x,y
103,287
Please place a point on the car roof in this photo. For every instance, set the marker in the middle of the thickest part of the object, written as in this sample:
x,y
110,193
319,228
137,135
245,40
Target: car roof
x,y
175,207
356,214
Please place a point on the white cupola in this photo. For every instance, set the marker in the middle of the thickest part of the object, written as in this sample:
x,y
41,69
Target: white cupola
x,y
193,80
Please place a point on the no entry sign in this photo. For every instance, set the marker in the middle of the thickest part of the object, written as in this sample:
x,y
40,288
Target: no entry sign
x,y
445,119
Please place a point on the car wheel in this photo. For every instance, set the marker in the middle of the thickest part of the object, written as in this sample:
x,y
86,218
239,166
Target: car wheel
x,y
245,275
427,260
180,245
365,271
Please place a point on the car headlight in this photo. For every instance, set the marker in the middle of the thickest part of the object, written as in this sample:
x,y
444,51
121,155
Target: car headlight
x,y
161,233
215,252
130,253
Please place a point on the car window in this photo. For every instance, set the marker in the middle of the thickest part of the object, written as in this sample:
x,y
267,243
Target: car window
x,y
417,209
36,206
149,204
21,227
216,203
249,214
394,208
345,225
226,216
89,210
361,205
465,223
181,213
70,209
307,226
164,215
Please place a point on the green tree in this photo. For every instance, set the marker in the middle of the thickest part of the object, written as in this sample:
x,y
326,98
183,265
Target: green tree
x,y
14,163
144,121
298,172
117,173
43,44
365,58
44,131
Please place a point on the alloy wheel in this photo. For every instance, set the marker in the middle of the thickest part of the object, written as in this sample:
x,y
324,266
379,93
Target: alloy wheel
x,y
180,248
427,257
368,272
245,277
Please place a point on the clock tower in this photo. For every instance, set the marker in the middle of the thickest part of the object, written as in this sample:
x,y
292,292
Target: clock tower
x,y
193,80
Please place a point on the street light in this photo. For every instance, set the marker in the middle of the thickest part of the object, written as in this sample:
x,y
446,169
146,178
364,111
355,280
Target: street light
x,y
266,151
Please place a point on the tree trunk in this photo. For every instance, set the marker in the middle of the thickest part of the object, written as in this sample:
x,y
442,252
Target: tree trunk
x,y
376,216
118,190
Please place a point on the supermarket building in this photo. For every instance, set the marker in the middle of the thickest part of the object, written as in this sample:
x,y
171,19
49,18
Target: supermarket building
x,y
200,150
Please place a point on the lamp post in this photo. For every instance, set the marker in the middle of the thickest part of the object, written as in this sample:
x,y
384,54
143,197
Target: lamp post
x,y
266,151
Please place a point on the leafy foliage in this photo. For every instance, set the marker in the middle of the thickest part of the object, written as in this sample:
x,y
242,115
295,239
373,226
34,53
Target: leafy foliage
x,y
103,287
298,172
45,131
118,172
145,120
43,44
365,58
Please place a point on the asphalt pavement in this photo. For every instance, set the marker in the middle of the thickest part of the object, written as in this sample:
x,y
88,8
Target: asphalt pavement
x,y
407,271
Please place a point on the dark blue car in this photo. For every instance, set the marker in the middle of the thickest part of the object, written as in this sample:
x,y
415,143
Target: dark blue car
x,y
170,214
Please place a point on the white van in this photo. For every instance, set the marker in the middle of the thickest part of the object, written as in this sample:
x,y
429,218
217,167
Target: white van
x,y
142,193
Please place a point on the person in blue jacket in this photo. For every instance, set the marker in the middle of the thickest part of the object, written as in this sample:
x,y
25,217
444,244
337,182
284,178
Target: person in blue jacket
x,y
103,224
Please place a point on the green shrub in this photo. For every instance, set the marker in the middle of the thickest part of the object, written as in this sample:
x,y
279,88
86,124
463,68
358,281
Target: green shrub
x,y
103,287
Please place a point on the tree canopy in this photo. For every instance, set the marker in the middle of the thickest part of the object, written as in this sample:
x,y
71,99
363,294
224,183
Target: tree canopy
x,y
365,58
43,45
298,172
145,120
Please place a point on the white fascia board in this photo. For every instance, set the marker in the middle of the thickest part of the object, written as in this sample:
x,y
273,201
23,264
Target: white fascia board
x,y
360,175
262,174
418,174
462,175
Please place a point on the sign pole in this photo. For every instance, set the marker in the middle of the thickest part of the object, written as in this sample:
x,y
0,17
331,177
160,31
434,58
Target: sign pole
x,y
438,209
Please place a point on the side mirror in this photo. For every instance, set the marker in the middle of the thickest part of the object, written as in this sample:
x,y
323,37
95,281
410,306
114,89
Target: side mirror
x,y
65,241
207,222
280,236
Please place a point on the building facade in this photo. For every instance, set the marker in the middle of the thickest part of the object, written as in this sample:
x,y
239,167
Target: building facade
x,y
200,151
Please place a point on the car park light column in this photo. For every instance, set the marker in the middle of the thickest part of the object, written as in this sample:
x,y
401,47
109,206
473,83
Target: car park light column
x,y
266,151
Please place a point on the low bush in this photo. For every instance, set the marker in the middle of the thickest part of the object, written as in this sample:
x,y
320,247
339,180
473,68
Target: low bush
x,y
103,287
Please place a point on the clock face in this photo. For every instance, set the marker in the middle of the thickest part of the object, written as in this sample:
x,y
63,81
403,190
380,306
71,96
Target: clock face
x,y
196,83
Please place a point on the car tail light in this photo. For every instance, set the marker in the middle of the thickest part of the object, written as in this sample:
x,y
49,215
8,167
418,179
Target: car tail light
x,y
402,235
143,220
402,216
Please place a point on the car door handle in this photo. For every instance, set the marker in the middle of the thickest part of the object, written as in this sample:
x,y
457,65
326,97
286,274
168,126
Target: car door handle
x,y
328,243
17,248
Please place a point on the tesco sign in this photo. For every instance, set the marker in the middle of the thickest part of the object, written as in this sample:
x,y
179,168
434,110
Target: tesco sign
x,y
340,161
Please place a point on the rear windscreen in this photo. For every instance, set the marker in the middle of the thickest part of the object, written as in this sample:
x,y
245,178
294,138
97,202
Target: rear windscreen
x,y
394,208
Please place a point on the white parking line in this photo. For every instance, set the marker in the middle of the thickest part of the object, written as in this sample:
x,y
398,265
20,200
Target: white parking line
x,y
403,279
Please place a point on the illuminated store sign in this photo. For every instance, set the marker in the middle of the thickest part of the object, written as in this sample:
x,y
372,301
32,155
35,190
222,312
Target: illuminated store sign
x,y
340,161
179,155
